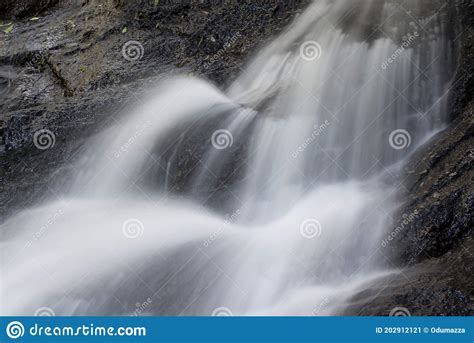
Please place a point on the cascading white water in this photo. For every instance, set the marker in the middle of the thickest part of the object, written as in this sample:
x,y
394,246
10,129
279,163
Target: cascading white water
x,y
307,126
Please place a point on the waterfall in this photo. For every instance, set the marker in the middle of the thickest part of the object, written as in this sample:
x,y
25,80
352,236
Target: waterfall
x,y
268,198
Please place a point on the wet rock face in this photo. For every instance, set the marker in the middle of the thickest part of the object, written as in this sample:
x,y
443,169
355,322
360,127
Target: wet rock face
x,y
463,86
439,286
10,9
440,188
14,136
441,226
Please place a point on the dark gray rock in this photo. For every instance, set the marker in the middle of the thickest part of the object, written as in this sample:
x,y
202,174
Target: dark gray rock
x,y
20,9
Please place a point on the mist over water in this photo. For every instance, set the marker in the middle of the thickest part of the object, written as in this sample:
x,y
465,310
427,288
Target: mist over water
x,y
295,154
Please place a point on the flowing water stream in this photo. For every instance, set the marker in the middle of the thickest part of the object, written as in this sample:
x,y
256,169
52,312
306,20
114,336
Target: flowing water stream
x,y
271,197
